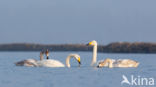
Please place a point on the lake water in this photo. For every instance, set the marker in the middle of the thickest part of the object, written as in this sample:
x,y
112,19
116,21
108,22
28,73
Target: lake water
x,y
84,76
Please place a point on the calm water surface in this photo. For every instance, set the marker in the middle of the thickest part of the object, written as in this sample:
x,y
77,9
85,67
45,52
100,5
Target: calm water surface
x,y
84,76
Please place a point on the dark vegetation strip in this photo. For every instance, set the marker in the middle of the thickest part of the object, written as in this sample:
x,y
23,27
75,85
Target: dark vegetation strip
x,y
124,47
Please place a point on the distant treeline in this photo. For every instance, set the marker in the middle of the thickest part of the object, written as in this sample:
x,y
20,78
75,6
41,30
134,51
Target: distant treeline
x,y
118,47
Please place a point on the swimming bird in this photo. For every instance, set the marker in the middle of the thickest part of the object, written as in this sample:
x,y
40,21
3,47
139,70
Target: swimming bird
x,y
124,63
47,53
56,63
41,55
30,62
111,62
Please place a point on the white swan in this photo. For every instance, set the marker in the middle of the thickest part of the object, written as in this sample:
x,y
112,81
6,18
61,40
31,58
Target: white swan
x,y
56,63
124,63
29,62
111,62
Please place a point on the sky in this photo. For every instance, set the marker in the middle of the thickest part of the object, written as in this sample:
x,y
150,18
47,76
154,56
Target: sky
x,y
77,21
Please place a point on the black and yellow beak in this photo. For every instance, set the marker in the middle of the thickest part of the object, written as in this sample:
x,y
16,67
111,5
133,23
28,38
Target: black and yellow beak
x,y
90,43
79,63
79,60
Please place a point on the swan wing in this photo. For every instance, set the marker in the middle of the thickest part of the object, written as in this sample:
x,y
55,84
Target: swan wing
x,y
27,62
127,63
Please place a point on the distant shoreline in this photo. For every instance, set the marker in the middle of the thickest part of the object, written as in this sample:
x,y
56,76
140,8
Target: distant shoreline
x,y
117,47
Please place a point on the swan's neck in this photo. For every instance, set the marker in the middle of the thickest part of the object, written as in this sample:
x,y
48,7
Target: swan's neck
x,y
110,65
94,55
68,61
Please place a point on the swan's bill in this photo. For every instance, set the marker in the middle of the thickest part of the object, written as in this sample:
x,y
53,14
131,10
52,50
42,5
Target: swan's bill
x,y
79,60
92,43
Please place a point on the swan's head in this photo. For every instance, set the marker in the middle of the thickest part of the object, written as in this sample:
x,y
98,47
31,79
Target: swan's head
x,y
92,43
102,64
77,57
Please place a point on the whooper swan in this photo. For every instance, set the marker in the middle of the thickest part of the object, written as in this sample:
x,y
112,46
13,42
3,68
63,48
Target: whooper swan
x,y
124,63
56,63
30,62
